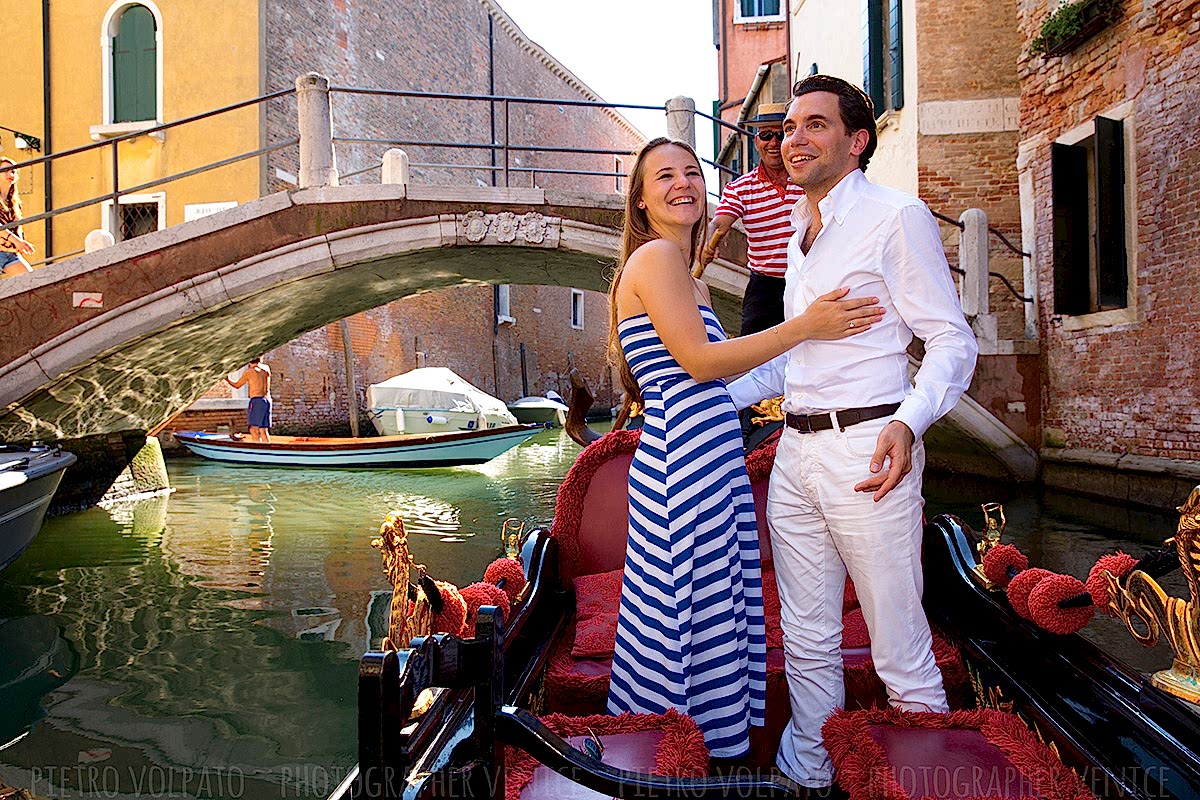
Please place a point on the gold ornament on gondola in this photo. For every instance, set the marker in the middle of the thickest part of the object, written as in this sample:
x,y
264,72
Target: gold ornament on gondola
x,y
768,411
1142,599
510,536
411,617
993,530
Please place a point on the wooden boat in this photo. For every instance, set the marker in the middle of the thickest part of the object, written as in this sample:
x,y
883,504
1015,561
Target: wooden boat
x,y
28,480
1035,714
416,450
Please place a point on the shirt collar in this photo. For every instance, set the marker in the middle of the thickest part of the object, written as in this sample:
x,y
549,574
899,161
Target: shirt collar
x,y
835,205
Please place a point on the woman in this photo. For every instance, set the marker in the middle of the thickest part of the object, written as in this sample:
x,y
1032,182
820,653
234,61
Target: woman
x,y
690,630
12,244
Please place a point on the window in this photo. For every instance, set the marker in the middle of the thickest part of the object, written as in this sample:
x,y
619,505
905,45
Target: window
x,y
883,54
758,11
1091,264
577,309
131,66
137,215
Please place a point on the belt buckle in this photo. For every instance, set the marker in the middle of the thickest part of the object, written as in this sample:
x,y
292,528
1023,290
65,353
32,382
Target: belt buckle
x,y
800,423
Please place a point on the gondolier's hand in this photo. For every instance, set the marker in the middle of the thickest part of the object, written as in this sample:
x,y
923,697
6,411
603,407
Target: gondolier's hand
x,y
894,444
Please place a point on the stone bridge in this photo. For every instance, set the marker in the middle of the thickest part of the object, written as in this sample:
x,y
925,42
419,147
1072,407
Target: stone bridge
x,y
123,338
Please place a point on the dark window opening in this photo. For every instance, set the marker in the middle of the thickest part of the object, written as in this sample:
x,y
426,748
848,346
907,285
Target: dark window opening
x,y
137,219
1088,187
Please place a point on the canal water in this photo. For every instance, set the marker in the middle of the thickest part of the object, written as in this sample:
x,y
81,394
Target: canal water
x,y
205,644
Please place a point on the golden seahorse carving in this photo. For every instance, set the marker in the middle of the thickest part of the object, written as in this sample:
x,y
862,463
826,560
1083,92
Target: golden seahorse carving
x,y
771,411
1160,614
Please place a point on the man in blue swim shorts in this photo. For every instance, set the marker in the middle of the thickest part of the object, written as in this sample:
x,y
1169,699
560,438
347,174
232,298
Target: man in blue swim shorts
x,y
257,376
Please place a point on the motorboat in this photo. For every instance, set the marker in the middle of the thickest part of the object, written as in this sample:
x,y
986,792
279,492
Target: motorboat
x,y
28,480
433,400
512,705
35,659
539,410
449,449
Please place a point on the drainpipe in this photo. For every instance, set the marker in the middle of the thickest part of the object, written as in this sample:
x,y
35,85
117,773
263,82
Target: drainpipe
x,y
492,88
351,391
47,166
787,32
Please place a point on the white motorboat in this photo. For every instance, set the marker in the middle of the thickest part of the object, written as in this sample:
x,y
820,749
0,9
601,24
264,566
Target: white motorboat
x,y
539,410
433,400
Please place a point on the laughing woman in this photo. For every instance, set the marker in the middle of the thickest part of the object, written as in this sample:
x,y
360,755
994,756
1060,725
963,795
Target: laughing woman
x,y
690,631
12,245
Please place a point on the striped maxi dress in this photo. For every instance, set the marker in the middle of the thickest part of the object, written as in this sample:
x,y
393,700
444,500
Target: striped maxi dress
x,y
690,632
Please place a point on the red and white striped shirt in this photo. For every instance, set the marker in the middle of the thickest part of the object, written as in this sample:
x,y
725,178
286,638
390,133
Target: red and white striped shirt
x,y
765,210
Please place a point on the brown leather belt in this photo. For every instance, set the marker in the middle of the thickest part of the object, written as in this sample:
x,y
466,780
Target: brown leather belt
x,y
810,423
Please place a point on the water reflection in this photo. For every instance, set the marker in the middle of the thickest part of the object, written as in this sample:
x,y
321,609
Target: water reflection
x,y
220,627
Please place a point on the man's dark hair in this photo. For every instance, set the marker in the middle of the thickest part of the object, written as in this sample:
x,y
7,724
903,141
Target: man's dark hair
x,y
255,360
855,106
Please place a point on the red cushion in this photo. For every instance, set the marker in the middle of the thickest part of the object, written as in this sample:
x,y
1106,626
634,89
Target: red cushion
x,y
597,601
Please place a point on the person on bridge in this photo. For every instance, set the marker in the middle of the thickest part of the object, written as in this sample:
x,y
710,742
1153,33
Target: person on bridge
x,y
763,200
690,629
839,500
257,376
12,242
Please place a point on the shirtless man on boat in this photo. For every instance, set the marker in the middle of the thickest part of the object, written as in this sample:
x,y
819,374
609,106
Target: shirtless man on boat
x,y
258,414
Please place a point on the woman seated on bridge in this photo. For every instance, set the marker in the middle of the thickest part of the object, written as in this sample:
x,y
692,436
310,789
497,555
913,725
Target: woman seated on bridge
x,y
12,243
690,630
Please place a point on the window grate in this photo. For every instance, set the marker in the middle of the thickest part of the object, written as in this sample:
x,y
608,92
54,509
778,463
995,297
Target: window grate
x,y
138,219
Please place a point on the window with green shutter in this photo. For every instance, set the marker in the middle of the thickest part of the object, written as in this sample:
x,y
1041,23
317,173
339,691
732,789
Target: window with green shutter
x,y
883,54
135,90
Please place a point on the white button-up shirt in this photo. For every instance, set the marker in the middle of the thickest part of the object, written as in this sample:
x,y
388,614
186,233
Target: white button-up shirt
x,y
881,243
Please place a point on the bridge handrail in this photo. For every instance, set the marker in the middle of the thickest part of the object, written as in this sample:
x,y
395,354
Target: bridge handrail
x,y
114,141
492,97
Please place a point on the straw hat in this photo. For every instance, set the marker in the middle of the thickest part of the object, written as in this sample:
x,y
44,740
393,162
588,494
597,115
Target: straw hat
x,y
768,114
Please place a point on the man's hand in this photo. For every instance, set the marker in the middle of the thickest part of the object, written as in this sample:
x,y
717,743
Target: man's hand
x,y
895,444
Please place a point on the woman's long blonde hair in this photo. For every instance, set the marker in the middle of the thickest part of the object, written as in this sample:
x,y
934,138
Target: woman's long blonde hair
x,y
12,200
635,233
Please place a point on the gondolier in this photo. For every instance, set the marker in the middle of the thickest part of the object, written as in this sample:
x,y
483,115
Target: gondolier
x,y
258,413
763,200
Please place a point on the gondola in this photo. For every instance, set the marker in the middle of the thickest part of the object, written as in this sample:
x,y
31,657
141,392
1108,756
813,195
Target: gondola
x,y
512,707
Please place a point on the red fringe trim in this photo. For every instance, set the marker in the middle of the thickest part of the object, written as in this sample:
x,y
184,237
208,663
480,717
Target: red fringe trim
x,y
863,769
569,692
761,460
681,753
568,508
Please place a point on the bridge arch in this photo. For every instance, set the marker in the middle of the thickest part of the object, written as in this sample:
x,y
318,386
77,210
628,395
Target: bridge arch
x,y
179,308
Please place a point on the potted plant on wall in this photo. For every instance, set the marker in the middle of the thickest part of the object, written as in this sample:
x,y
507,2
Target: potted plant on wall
x,y
1072,24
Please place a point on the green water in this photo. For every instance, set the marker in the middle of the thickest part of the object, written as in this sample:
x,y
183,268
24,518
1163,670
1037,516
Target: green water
x,y
205,644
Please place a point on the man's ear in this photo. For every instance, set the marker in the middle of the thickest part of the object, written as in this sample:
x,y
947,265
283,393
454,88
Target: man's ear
x,y
859,141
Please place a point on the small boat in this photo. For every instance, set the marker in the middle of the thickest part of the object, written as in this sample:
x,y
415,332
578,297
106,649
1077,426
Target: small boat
x,y
433,400
539,410
450,449
516,699
35,659
28,480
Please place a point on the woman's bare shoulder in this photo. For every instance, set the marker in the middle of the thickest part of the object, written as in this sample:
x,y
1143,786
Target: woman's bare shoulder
x,y
654,253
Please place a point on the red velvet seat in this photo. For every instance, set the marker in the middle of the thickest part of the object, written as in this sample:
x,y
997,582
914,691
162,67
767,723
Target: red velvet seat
x,y
887,754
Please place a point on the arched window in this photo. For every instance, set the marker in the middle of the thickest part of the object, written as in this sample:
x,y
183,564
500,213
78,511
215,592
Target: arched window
x,y
135,62
131,45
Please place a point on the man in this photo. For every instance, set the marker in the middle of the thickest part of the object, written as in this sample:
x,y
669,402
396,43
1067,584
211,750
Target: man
x,y
839,499
258,414
762,199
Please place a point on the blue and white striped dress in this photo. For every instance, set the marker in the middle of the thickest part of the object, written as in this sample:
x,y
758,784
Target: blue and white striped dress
x,y
690,632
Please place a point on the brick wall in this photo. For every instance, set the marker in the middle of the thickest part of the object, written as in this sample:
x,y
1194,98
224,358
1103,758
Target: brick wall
x,y
404,44
968,51
1130,388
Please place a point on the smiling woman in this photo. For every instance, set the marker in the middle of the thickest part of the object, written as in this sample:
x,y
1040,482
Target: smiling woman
x,y
12,242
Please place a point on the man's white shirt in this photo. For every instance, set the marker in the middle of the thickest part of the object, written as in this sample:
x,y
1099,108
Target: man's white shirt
x,y
882,243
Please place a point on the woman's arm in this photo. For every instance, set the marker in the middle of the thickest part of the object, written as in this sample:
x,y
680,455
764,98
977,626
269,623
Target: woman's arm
x,y
657,276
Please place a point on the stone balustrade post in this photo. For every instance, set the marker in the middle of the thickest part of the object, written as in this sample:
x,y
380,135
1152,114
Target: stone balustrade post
x,y
681,120
318,166
973,260
395,167
98,240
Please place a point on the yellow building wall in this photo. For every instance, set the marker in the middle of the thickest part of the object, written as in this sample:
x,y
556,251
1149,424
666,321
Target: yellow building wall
x,y
23,112
210,57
